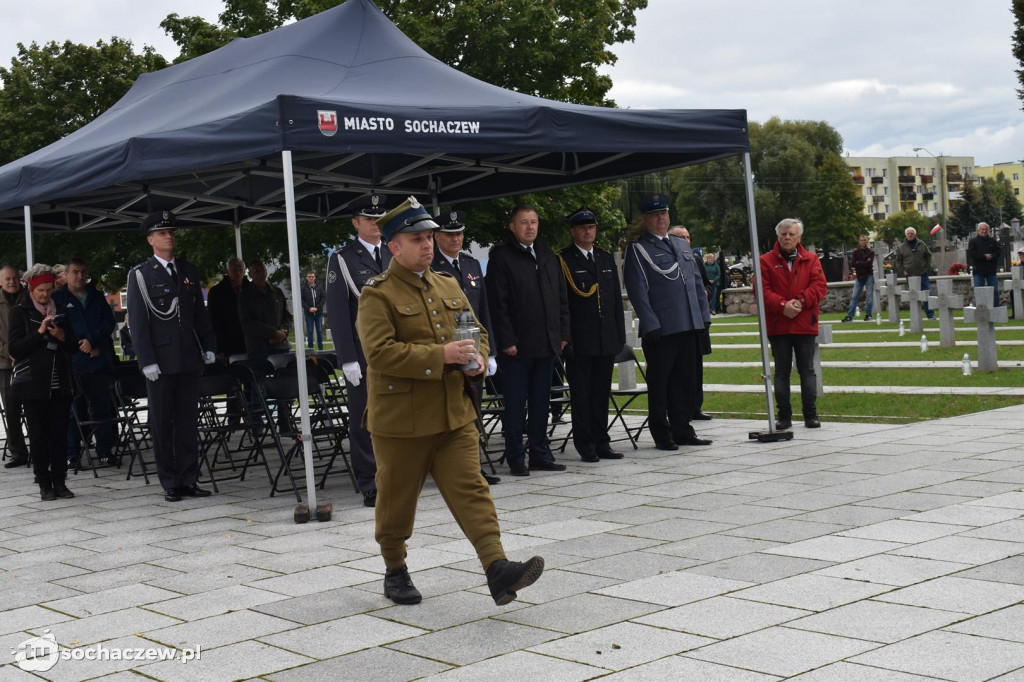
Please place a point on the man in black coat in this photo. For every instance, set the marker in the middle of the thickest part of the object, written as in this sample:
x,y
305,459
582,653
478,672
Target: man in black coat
x,y
173,338
222,303
983,253
598,333
530,314
313,301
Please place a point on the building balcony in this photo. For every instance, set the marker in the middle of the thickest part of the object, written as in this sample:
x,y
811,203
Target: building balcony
x,y
954,177
877,180
906,180
858,179
927,179
928,196
878,199
878,216
908,196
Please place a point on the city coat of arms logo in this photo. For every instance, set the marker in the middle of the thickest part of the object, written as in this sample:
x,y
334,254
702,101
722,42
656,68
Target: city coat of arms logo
x,y
327,121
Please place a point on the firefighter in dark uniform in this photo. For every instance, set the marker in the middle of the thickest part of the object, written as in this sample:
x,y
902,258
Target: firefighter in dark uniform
x,y
173,338
667,293
468,273
598,332
347,271
420,412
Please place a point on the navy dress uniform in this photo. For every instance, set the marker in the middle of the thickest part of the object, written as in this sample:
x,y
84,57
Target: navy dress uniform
x,y
422,416
173,338
598,333
466,270
669,298
348,270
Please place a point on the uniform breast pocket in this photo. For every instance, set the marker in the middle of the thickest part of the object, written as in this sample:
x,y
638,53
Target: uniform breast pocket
x,y
391,408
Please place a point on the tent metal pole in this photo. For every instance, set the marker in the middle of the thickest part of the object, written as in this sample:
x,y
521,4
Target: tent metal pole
x,y
29,256
766,373
300,355
238,240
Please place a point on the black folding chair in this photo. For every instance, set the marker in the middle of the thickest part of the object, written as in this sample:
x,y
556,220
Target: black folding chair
x,y
560,402
130,391
622,398
86,412
226,429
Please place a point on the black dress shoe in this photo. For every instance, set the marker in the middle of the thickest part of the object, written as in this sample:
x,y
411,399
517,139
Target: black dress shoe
x,y
589,456
702,417
491,480
505,578
694,440
546,465
669,445
609,454
518,469
172,495
193,491
47,494
398,587
370,498
17,462
812,423
61,490
783,424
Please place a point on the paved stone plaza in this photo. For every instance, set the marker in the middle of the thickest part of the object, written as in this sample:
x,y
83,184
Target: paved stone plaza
x,y
854,552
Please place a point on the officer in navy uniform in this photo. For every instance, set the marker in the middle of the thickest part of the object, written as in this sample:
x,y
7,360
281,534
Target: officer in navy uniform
x,y
667,293
347,271
598,334
173,338
468,273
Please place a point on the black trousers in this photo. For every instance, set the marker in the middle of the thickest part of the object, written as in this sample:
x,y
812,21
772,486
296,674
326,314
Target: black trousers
x,y
48,432
590,385
173,425
671,385
526,385
13,411
364,465
783,348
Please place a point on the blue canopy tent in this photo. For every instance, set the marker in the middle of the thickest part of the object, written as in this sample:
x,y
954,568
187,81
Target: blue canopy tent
x,y
298,123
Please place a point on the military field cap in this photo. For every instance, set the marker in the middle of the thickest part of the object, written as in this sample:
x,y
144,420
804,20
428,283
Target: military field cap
x,y
582,216
158,220
410,216
654,203
372,206
452,221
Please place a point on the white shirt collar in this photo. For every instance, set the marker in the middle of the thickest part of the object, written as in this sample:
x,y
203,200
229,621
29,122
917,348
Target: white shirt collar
x,y
164,262
370,247
585,253
446,257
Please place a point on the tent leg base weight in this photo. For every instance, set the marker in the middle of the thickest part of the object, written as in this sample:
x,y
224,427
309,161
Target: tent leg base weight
x,y
770,436
301,513
323,511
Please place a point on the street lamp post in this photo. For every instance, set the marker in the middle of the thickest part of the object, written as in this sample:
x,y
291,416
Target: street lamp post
x,y
942,199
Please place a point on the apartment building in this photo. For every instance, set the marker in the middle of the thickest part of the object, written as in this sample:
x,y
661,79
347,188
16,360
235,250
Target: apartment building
x,y
1011,170
896,184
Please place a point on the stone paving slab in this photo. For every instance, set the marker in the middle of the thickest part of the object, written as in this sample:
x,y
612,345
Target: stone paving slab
x,y
856,552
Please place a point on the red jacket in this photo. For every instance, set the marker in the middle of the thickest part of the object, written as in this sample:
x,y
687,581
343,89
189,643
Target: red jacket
x,y
806,281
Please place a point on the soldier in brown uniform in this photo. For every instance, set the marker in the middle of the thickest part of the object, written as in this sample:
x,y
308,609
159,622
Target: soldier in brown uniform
x,y
419,411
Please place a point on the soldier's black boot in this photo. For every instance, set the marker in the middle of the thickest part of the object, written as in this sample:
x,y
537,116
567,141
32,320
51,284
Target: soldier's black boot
x,y
506,577
398,587
811,417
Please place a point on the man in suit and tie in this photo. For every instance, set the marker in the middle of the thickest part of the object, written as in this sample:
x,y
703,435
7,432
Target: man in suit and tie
x,y
668,295
598,334
173,338
347,272
469,274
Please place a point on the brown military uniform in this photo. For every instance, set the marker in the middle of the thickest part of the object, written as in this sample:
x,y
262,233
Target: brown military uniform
x,y
418,411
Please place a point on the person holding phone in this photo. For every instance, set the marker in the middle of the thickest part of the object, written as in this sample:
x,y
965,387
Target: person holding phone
x,y
41,343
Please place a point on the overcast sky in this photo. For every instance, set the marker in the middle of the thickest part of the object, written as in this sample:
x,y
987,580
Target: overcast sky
x,y
888,75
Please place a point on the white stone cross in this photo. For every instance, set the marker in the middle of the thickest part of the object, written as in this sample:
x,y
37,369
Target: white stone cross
x,y
627,370
945,303
824,337
1017,293
986,317
915,296
891,291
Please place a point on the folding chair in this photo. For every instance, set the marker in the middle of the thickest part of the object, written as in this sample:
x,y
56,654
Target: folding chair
x,y
86,410
130,391
224,415
560,402
627,396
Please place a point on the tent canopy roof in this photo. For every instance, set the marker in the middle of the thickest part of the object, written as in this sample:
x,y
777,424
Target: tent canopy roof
x,y
362,108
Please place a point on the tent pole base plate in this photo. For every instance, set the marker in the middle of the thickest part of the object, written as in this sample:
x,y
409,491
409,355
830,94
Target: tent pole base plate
x,y
770,436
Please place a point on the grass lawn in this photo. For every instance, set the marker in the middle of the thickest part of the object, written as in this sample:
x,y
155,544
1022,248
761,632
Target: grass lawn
x,y
1005,377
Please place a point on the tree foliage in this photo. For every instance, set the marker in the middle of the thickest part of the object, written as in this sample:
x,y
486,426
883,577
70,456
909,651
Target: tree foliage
x,y
989,200
798,172
893,228
1018,42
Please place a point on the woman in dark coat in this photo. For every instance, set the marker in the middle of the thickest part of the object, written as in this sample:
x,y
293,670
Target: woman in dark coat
x,y
42,343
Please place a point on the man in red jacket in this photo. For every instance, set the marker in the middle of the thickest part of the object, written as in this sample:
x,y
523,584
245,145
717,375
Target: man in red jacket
x,y
794,285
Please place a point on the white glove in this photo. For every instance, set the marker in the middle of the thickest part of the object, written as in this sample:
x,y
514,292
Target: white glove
x,y
492,366
152,372
208,358
352,372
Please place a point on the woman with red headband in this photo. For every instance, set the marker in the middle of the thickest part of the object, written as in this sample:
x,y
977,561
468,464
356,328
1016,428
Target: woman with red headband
x,y
42,343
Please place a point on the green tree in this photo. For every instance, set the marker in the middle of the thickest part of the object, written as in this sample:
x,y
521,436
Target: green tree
x,y
1018,42
989,200
834,211
893,228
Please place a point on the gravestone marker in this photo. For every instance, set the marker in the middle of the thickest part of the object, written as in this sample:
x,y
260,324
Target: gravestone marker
x,y
945,303
627,370
824,337
915,297
891,291
985,317
1017,293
